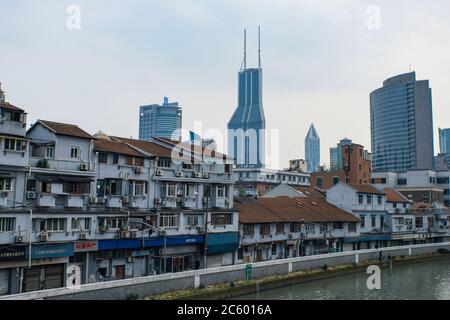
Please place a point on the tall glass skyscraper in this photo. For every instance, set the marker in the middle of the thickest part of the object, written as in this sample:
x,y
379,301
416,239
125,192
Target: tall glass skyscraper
x,y
444,140
160,121
402,125
247,126
312,150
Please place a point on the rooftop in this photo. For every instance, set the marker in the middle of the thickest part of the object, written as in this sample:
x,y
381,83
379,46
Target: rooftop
x,y
65,129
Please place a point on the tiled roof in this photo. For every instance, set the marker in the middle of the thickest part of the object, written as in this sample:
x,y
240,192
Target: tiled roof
x,y
395,196
197,149
285,209
148,147
66,129
103,145
310,192
8,106
366,188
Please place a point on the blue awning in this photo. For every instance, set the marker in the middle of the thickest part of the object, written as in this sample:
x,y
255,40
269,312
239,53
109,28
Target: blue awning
x,y
222,242
369,238
149,242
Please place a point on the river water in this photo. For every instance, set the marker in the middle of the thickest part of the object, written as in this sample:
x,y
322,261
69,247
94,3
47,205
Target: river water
x,y
421,281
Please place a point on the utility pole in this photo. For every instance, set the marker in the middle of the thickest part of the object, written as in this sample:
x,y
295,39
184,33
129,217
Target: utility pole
x,y
205,258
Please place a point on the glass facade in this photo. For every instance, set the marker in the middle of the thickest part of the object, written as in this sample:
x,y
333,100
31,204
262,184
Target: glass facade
x,y
160,121
401,123
312,150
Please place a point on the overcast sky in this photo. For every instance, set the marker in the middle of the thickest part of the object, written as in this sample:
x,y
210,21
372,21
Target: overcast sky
x,y
320,61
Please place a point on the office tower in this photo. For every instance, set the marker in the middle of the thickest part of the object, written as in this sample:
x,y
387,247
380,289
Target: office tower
x,y
402,125
333,159
444,140
160,121
247,126
312,149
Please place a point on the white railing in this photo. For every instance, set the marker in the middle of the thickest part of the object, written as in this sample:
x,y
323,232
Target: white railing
x,y
358,256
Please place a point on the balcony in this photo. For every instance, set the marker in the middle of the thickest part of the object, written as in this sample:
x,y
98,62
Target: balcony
x,y
138,202
219,202
190,202
4,199
16,128
74,201
46,200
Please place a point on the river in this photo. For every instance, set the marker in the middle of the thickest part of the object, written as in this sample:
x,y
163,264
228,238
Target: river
x,y
420,281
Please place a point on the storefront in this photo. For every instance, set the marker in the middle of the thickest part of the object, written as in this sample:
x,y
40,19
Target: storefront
x,y
221,248
9,256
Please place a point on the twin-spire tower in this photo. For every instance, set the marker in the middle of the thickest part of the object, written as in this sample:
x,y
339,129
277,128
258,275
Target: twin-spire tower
x,y
247,126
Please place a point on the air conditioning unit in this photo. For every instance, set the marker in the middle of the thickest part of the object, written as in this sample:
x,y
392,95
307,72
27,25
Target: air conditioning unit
x,y
138,170
130,259
179,174
19,239
93,199
43,237
125,199
200,230
133,235
206,175
101,200
291,236
179,200
180,193
103,229
198,174
205,200
158,200
159,173
31,195
124,234
83,236
84,166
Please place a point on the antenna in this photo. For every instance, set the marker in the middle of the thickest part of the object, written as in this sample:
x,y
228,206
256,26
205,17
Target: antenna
x,y
244,63
259,47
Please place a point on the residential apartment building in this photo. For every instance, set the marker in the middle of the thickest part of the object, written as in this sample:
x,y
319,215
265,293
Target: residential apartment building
x,y
257,182
161,121
354,165
283,227
402,125
109,208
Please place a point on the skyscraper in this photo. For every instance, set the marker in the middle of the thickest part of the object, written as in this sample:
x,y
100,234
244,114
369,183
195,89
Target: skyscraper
x,y
333,159
444,140
402,125
312,149
247,126
160,121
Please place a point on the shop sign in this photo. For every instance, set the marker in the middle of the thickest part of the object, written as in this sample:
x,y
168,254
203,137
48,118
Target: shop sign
x,y
52,251
86,246
13,253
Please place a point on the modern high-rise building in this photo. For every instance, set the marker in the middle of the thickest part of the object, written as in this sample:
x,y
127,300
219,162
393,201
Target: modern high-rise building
x,y
333,159
444,140
160,121
312,149
402,125
247,126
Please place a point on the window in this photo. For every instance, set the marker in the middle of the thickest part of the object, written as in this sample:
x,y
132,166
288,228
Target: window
x,y
319,183
46,187
7,224
31,185
380,200
114,187
171,189
112,223
5,184
338,226
15,145
189,190
430,222
140,188
169,220
187,166
360,199
309,227
220,191
295,227
352,227
402,182
76,187
394,205
323,227
221,219
249,229
53,225
363,222
192,220
133,161
100,188
49,152
280,228
103,157
374,221
335,180
74,151
264,229
164,163
115,159
369,199
419,222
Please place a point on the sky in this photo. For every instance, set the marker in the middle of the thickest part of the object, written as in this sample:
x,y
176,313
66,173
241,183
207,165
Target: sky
x,y
320,58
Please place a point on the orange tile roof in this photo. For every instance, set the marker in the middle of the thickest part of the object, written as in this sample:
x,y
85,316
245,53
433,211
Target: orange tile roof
x,y
8,106
148,147
395,196
103,145
285,209
66,129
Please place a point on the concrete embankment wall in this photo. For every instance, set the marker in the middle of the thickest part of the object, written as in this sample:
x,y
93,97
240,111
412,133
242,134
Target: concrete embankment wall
x,y
152,285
